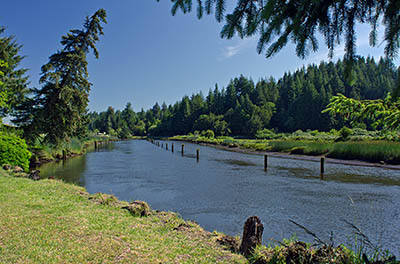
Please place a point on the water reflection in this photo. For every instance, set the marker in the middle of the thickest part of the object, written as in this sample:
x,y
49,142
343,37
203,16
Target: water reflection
x,y
237,162
70,170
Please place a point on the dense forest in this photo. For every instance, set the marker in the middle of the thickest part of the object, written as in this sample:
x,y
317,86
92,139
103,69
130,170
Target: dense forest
x,y
243,107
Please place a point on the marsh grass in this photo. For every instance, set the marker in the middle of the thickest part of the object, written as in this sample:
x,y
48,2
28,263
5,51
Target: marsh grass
x,y
373,151
53,222
312,148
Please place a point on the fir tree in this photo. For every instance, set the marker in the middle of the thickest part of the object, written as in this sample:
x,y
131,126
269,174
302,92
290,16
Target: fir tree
x,y
13,82
58,109
278,22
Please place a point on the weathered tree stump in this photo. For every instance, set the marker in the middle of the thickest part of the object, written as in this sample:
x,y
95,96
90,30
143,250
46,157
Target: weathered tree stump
x,y
252,235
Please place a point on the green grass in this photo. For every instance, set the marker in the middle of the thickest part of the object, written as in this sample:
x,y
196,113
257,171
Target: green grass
x,y
373,151
53,222
313,148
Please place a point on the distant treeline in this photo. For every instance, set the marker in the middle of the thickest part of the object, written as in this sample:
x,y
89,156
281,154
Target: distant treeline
x,y
244,107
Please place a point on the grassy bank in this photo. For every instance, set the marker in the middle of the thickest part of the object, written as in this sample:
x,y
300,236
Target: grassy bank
x,y
53,222
46,152
49,221
366,150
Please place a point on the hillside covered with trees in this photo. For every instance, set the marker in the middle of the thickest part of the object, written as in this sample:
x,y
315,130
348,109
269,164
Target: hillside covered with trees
x,y
243,107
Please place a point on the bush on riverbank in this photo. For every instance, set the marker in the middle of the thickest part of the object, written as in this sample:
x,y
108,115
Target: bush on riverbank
x,y
14,151
292,251
73,146
48,152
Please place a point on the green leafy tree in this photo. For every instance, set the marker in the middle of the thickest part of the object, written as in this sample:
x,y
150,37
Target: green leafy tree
x,y
58,109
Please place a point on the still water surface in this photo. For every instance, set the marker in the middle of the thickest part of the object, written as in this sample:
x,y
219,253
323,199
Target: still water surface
x,y
224,188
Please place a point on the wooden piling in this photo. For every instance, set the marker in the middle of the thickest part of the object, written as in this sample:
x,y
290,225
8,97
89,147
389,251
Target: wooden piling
x,y
322,167
95,145
183,146
197,154
265,162
162,145
166,146
172,147
64,154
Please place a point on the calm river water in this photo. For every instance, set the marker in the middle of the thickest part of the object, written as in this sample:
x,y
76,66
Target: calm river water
x,y
224,188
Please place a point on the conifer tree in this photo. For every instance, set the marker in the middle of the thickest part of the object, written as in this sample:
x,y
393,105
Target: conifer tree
x,y
277,22
58,109
13,82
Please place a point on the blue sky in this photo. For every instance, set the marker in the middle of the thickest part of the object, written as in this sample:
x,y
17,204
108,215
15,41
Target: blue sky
x,y
147,55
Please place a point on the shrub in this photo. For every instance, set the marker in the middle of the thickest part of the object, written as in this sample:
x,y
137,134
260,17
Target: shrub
x,y
208,133
13,150
345,132
265,134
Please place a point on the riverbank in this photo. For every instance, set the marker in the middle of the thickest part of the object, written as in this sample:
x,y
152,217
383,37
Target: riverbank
x,y
382,154
74,147
49,221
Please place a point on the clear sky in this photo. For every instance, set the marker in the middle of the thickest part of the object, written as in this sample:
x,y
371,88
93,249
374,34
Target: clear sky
x,y
146,54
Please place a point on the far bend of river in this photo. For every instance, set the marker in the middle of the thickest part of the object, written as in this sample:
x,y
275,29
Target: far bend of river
x,y
224,188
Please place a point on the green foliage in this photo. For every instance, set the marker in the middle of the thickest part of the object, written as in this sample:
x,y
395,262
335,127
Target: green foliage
x,y
14,151
3,93
244,108
300,147
292,251
13,83
46,151
372,151
266,134
279,22
345,132
58,109
382,113
208,133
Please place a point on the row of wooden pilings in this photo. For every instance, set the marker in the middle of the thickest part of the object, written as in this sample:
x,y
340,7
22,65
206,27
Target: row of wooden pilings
x,y
157,143
322,165
96,147
98,143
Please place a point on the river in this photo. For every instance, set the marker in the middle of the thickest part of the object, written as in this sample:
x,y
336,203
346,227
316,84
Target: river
x,y
224,188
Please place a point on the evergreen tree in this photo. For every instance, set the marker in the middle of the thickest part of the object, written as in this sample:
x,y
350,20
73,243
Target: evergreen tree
x,y
59,107
293,102
129,116
13,82
278,22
